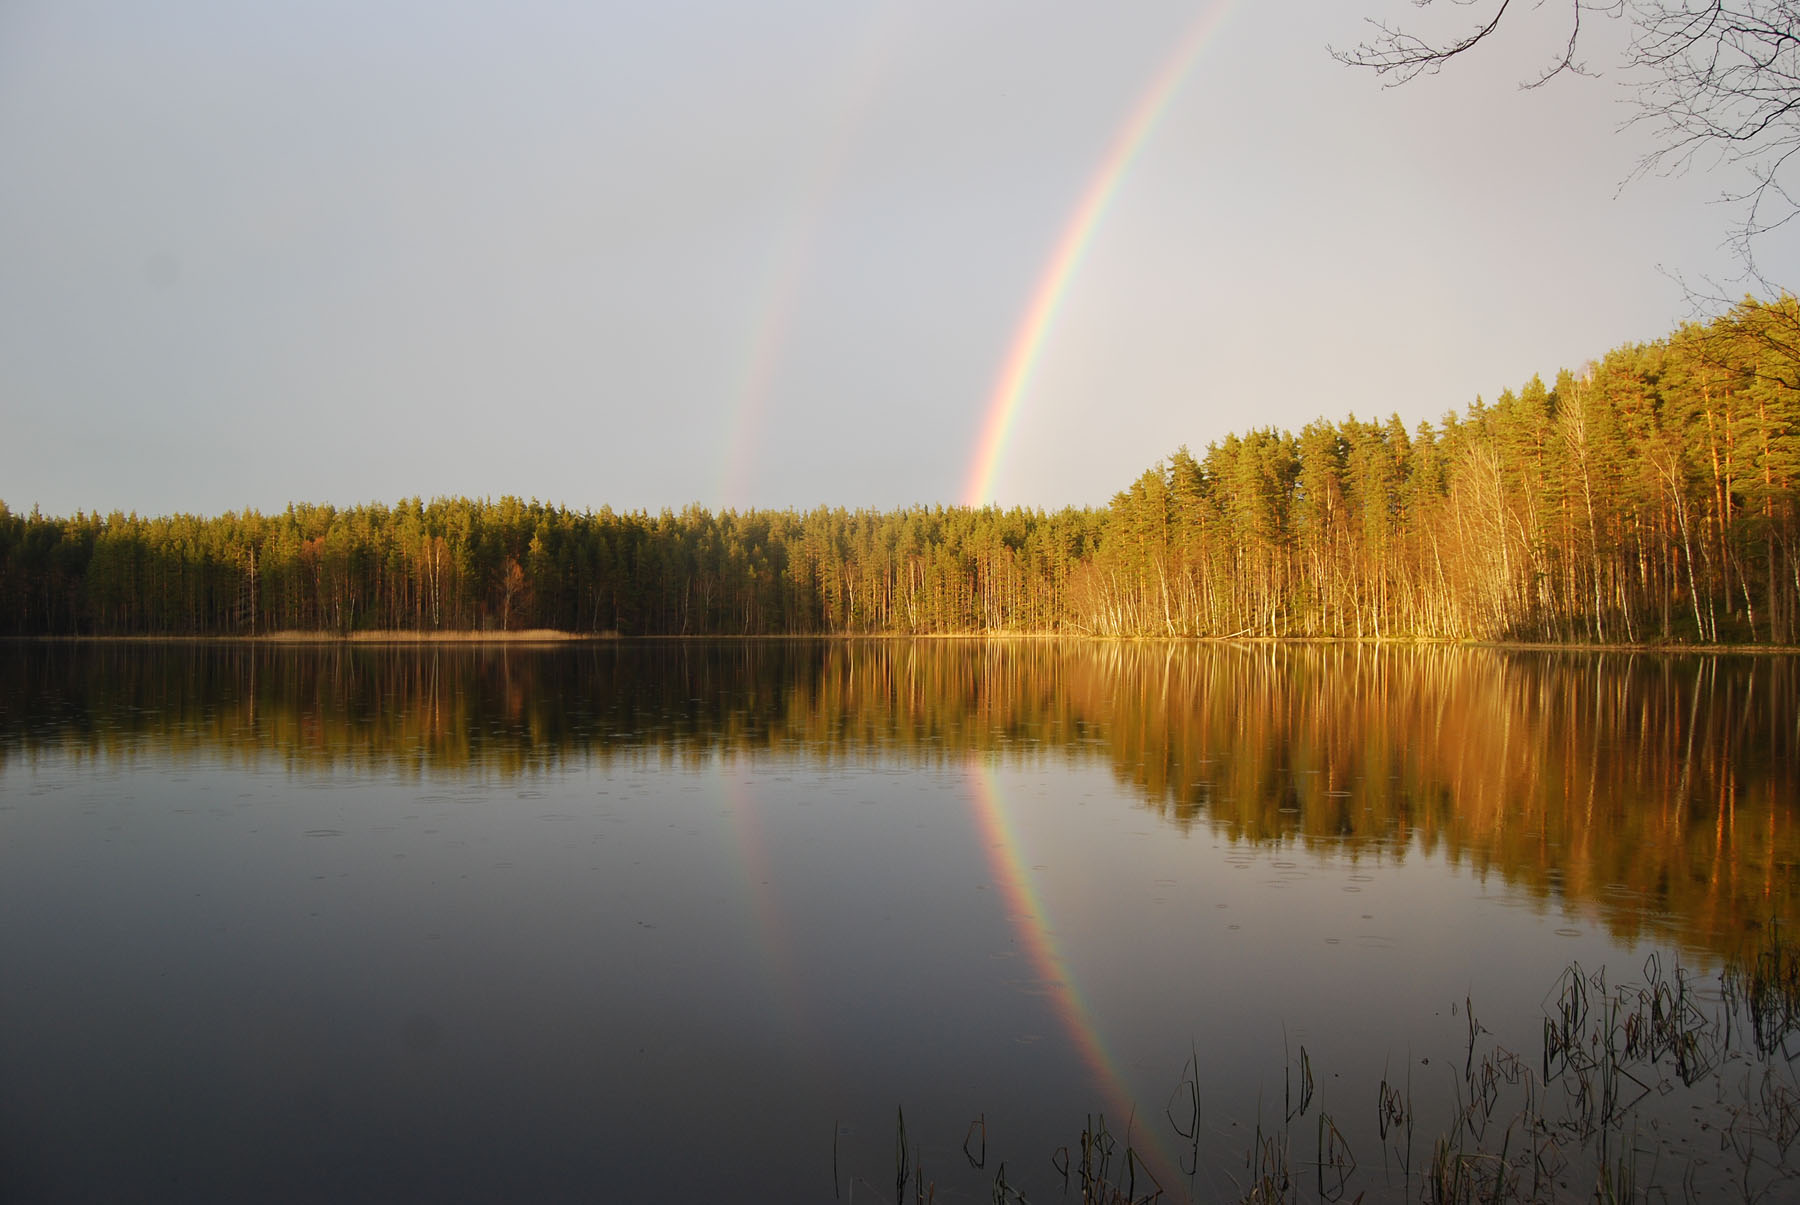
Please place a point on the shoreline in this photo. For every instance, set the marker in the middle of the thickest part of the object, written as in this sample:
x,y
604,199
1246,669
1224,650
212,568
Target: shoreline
x,y
552,636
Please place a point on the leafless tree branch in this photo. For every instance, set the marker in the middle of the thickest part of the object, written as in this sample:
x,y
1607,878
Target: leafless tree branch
x,y
1716,82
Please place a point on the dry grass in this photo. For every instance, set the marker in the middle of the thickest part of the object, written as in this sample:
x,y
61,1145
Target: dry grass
x,y
402,636
382,636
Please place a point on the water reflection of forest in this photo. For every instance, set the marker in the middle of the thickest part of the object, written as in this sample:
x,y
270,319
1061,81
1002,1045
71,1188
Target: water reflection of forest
x,y
1658,791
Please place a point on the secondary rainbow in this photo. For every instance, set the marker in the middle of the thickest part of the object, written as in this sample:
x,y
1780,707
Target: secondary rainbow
x,y
1007,863
780,967
1028,340
864,74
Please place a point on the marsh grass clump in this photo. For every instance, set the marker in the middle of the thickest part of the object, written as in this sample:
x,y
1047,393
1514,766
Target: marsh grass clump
x,y
1767,989
1636,1084
1633,1081
1668,1087
1091,1169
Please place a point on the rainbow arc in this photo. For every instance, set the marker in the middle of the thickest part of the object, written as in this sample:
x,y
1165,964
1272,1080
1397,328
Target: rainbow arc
x,y
1027,345
1037,939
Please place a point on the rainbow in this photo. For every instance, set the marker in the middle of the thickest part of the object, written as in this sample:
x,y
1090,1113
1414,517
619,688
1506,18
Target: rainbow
x,y
757,377
778,962
1008,865
865,73
1028,339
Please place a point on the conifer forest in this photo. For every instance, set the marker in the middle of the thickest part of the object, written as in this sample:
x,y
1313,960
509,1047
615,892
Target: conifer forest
x,y
1650,496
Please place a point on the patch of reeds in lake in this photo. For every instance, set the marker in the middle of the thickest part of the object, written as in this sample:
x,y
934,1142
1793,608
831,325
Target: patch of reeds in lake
x,y
1666,1087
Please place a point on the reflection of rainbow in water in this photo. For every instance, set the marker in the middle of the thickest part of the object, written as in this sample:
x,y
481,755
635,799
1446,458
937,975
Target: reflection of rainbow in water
x,y
1009,867
780,971
1052,286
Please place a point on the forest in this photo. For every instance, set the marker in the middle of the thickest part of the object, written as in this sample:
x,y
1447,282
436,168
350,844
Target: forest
x,y
1649,497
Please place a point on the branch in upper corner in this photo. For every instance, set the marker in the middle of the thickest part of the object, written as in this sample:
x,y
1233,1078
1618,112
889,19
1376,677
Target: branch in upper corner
x,y
1716,82
1404,56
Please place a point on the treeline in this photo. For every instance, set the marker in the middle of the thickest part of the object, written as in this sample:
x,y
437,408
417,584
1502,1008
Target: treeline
x,y
1650,497
460,564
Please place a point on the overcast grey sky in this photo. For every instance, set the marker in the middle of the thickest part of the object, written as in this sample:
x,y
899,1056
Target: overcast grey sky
x,y
773,253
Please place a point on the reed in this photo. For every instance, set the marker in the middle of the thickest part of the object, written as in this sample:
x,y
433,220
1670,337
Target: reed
x,y
1669,1086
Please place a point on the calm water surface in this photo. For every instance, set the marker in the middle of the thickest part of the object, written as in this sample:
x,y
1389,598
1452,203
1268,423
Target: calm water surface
x,y
696,922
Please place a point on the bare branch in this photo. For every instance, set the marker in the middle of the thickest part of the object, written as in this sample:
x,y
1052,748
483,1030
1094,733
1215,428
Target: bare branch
x,y
1716,82
1400,54
1565,62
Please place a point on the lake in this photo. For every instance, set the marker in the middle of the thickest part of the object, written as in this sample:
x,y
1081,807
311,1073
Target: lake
x,y
713,921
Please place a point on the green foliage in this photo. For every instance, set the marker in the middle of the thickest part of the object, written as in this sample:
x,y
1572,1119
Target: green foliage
x,y
462,564
1652,497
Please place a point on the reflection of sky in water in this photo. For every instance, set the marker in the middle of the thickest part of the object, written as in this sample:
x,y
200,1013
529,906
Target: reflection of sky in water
x,y
667,969
468,988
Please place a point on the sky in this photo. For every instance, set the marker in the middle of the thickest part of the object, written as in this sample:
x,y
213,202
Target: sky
x,y
785,254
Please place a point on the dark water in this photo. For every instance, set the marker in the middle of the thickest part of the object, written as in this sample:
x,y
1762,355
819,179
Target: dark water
x,y
695,922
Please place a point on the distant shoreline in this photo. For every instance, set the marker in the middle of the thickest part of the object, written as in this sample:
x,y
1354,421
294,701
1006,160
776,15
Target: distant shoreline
x,y
552,636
